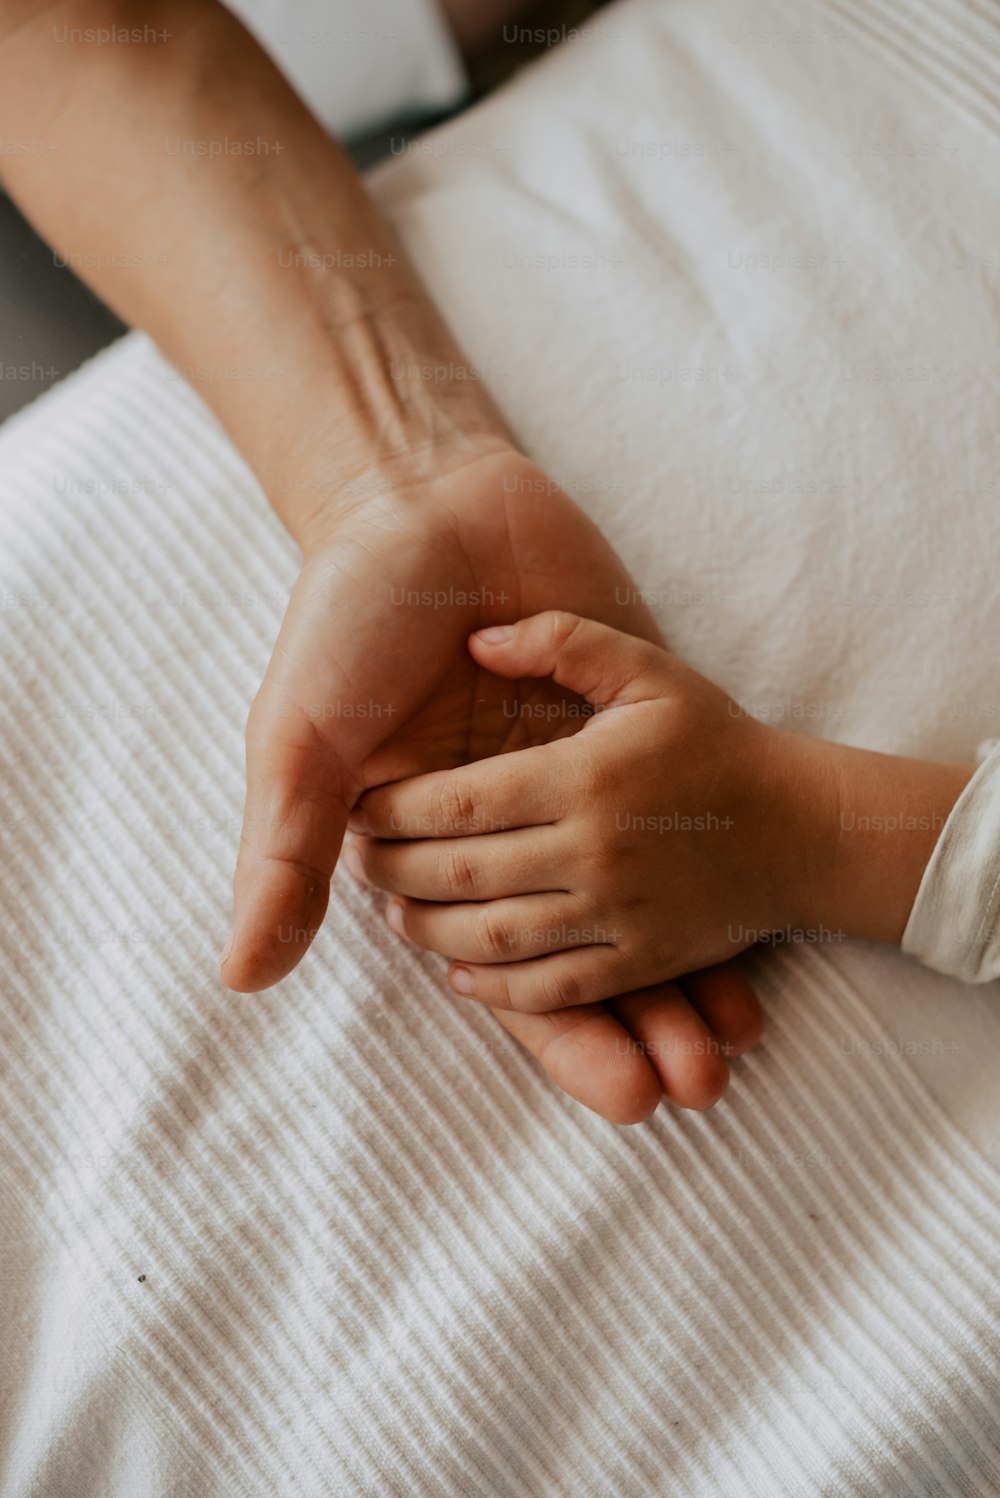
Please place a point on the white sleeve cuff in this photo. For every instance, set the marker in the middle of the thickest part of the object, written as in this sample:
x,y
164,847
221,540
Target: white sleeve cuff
x,y
954,925
361,63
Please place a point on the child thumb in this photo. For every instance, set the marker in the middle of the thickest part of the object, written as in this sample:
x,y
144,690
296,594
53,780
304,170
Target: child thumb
x,y
603,665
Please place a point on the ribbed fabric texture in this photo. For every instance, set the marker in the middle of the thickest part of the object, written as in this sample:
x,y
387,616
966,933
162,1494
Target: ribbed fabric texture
x,y
952,50
341,1238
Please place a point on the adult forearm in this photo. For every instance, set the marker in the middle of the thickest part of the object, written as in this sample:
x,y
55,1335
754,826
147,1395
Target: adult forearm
x,y
188,184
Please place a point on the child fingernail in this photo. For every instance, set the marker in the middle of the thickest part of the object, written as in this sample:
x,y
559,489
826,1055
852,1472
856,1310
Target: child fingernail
x,y
227,949
394,916
461,980
496,634
357,821
352,860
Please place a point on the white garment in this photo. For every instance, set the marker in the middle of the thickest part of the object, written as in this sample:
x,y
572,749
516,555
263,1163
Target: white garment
x,y
341,1238
954,925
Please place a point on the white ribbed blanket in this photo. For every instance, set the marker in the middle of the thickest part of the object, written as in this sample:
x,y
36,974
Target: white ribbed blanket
x,y
340,1238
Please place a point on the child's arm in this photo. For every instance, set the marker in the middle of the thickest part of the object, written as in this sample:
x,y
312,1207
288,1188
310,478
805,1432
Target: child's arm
x,y
672,832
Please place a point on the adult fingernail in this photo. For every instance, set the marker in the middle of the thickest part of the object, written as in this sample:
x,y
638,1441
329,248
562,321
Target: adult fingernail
x,y
461,980
227,949
496,634
394,916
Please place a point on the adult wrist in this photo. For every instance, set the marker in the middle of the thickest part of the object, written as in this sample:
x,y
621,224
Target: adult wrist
x,y
393,408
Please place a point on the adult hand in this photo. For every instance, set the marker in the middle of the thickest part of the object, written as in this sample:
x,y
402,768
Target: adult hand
x,y
278,265
371,681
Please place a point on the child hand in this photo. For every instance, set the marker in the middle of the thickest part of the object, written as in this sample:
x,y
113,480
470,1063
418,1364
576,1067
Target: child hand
x,y
670,833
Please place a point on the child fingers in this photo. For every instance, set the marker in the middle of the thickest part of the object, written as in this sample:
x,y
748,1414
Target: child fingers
x,y
444,870
685,1053
583,975
521,789
497,930
604,665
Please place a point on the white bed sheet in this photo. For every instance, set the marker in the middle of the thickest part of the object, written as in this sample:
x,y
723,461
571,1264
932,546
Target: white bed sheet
x,y
341,1238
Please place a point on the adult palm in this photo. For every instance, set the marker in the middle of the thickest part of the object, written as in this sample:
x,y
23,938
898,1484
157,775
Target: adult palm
x,y
371,681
